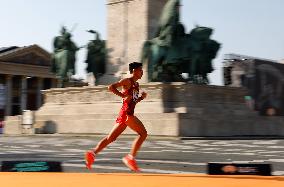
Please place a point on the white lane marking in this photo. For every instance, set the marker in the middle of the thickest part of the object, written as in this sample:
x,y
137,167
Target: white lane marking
x,y
126,169
146,161
246,145
234,149
60,145
30,150
264,152
266,142
209,145
158,151
248,154
172,162
13,147
255,151
69,154
74,150
115,152
176,151
276,147
230,153
208,152
276,160
19,152
157,147
220,143
33,146
245,162
188,151
269,155
85,142
126,152
278,173
62,156
210,149
44,151
258,161
177,146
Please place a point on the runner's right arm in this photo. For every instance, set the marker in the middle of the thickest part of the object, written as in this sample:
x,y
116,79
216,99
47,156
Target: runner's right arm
x,y
122,83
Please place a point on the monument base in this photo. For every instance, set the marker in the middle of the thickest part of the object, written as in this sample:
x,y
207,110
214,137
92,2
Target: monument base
x,y
176,109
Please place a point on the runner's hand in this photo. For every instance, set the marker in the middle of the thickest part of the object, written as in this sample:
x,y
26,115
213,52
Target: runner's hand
x,y
143,95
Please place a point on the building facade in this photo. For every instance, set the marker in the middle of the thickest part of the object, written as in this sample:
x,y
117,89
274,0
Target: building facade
x,y
263,79
236,66
24,72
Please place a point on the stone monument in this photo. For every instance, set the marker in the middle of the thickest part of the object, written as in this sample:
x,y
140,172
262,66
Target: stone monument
x,y
168,51
64,57
96,57
171,109
173,51
129,24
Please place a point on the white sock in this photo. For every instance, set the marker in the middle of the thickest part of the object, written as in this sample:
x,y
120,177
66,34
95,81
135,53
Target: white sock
x,y
131,156
93,152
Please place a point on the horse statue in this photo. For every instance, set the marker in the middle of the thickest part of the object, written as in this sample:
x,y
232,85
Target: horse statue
x,y
96,56
64,57
202,50
173,52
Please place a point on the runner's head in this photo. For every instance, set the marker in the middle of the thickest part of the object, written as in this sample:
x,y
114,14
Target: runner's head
x,y
135,68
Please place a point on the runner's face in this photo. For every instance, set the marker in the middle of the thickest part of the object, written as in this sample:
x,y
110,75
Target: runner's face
x,y
138,72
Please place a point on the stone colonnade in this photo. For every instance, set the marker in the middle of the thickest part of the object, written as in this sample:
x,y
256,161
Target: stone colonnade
x,y
23,92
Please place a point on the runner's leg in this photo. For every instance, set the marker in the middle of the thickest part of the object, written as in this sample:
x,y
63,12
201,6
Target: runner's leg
x,y
136,125
91,154
114,133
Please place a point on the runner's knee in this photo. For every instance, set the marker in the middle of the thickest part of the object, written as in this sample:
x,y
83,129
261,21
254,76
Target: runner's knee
x,y
143,134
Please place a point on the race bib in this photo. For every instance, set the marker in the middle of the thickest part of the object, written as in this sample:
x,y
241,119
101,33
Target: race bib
x,y
135,95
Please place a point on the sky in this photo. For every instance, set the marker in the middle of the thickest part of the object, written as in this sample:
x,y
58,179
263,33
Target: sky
x,y
247,27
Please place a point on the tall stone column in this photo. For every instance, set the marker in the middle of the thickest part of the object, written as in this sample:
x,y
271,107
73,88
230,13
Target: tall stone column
x,y
9,95
38,92
129,24
24,87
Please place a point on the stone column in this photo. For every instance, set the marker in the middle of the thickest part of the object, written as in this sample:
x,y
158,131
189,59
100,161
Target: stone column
x,y
9,92
129,24
24,86
38,92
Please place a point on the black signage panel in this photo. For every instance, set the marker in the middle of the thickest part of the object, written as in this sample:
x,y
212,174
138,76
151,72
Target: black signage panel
x,y
238,169
31,166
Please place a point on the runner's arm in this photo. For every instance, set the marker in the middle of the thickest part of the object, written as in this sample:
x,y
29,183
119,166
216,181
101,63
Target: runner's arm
x,y
122,83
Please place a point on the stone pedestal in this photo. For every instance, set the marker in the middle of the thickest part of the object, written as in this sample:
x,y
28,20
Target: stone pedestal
x,y
177,109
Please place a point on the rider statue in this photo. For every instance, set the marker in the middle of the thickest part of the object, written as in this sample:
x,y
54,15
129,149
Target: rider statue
x,y
64,57
167,24
173,52
96,56
161,45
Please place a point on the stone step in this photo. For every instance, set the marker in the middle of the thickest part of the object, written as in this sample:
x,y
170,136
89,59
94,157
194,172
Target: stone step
x,y
170,124
104,116
158,124
147,107
189,110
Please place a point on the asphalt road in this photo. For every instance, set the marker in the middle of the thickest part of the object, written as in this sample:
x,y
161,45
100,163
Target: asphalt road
x,y
157,155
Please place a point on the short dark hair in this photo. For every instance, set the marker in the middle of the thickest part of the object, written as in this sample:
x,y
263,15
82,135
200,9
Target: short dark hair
x,y
134,65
